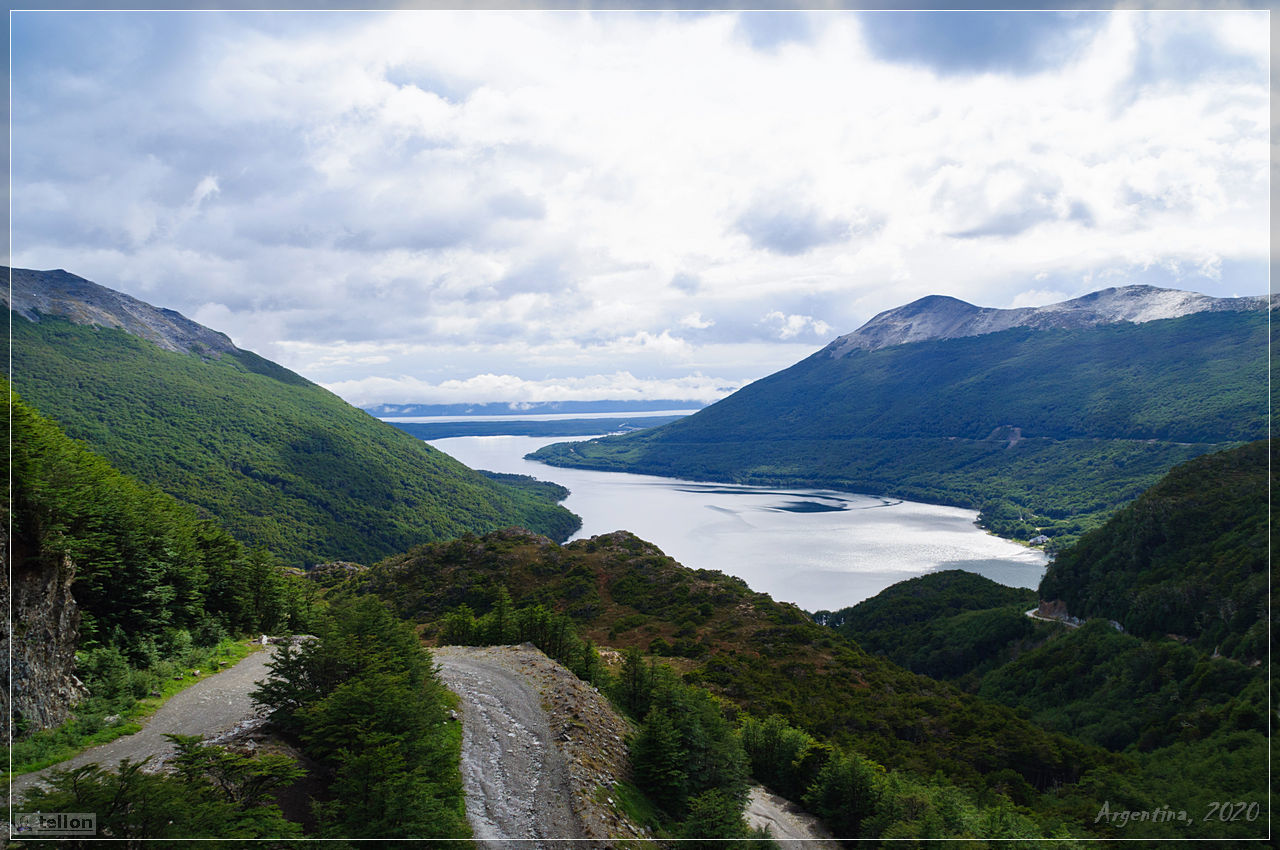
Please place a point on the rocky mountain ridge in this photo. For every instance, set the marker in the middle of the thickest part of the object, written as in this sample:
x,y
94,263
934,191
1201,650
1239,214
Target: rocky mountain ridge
x,y
59,293
944,317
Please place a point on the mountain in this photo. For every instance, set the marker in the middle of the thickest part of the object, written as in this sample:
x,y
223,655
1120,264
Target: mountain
x,y
58,293
279,461
1044,429
943,317
98,561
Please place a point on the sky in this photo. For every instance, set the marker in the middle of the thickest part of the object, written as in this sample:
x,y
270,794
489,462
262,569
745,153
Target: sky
x,y
468,206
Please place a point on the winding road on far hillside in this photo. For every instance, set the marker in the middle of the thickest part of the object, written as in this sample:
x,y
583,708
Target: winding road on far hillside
x,y
210,706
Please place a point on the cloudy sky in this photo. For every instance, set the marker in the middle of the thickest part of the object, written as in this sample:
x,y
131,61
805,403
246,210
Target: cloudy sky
x,y
512,206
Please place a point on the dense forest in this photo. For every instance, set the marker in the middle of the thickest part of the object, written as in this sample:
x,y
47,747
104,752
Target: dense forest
x,y
157,589
150,574
1043,431
160,590
1189,557
278,461
1182,695
758,657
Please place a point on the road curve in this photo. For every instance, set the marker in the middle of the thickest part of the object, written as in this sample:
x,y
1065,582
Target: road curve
x,y
211,706
516,782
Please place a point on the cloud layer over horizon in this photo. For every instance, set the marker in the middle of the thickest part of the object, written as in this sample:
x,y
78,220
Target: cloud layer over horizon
x,y
487,206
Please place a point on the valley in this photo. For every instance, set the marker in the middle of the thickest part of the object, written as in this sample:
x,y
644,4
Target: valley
x,y
931,708
810,547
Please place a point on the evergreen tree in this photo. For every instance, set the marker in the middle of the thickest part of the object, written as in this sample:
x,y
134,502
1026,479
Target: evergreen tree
x,y
657,759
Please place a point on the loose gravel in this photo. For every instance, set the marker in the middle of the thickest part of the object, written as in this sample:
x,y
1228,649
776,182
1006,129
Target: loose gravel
x,y
214,705
541,749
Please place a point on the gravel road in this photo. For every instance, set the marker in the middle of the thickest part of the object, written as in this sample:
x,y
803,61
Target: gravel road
x,y
516,781
792,828
213,705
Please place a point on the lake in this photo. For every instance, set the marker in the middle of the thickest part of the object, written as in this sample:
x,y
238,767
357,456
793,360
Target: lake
x,y
820,549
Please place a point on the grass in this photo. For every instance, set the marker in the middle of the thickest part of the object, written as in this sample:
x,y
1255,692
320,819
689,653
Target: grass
x,y
639,808
88,729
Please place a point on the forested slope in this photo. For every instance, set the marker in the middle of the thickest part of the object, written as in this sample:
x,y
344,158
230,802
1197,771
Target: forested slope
x,y
1167,670
279,461
1043,430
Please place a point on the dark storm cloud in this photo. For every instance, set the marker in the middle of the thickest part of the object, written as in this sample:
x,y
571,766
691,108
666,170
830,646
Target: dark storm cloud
x,y
957,42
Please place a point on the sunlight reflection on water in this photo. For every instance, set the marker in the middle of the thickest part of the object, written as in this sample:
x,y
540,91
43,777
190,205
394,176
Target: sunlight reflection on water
x,y
818,548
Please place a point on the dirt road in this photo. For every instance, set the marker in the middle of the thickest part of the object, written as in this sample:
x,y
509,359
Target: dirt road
x,y
792,828
516,781
213,705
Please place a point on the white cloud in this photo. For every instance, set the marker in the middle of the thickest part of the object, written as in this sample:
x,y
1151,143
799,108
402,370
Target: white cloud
x,y
1037,298
586,190
790,326
490,387
696,321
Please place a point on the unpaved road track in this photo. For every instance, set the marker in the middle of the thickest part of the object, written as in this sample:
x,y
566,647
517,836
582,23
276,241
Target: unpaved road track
x,y
213,705
516,781
792,828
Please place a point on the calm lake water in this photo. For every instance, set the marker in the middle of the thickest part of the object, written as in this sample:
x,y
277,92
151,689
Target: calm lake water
x,y
820,549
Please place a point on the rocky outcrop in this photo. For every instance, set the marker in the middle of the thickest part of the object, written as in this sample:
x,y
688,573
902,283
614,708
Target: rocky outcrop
x,y
46,624
82,302
943,317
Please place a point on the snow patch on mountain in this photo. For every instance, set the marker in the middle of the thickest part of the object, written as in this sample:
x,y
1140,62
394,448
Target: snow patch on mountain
x,y
943,317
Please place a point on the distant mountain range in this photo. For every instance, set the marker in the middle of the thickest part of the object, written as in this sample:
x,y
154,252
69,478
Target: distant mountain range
x,y
531,408
1045,419
943,317
278,460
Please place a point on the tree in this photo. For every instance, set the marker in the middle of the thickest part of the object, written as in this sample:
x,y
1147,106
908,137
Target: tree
x,y
716,815
657,759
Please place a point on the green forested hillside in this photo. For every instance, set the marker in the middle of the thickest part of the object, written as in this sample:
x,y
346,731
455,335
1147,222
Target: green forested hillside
x,y
279,461
944,624
1181,693
149,573
154,591
766,657
1042,430
1189,557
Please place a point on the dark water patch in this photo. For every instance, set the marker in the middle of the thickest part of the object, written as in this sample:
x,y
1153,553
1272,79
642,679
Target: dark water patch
x,y
810,507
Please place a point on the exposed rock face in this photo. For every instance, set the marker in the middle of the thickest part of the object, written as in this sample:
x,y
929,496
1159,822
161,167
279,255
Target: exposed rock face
x,y
943,317
82,302
46,625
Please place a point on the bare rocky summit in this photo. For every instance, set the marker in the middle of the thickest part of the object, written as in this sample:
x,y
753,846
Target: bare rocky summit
x,y
59,293
943,317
